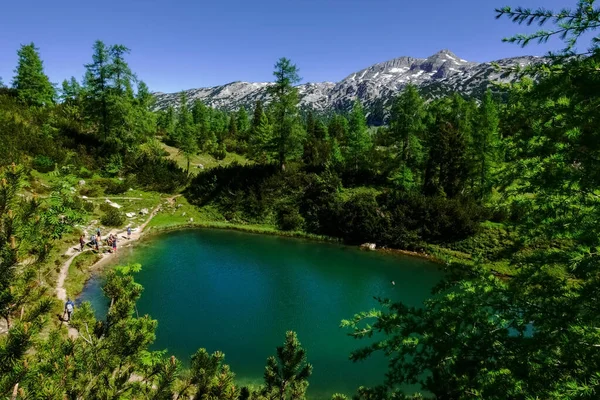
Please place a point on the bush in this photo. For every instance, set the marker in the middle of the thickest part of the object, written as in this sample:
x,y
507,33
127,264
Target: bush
x,y
113,187
43,163
84,173
90,191
288,218
158,174
220,153
113,217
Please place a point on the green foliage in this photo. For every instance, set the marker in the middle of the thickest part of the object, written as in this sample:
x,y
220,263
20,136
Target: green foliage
x,y
287,134
358,142
289,218
43,163
32,84
286,377
113,217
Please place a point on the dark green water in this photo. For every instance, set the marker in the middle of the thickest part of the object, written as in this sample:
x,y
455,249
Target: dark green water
x,y
239,292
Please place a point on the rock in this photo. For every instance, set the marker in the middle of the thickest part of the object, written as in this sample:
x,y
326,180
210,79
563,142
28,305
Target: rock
x,y
144,211
436,76
130,215
107,201
200,166
183,215
130,189
81,182
368,246
84,197
191,220
115,205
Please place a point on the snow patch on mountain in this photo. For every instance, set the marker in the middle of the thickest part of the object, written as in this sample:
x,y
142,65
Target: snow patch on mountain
x,y
438,75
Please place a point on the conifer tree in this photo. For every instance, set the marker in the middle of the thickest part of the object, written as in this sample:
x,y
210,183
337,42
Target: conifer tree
x,y
185,135
32,84
485,145
284,105
243,123
358,142
407,126
286,377
233,126
97,85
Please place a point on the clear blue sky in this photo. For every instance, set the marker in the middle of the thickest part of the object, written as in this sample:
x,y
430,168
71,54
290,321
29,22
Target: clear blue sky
x,y
181,44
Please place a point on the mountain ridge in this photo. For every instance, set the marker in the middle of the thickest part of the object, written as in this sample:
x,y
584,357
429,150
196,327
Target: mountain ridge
x,y
441,73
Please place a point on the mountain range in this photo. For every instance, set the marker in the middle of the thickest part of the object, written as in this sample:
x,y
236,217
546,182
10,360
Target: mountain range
x,y
435,76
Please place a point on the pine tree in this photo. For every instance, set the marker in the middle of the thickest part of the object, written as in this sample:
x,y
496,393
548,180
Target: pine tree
x,y
32,84
485,145
71,90
185,134
407,126
243,123
233,127
286,377
97,85
261,139
285,110
358,141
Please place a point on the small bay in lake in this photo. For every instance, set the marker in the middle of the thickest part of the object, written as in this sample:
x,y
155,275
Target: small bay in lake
x,y
240,292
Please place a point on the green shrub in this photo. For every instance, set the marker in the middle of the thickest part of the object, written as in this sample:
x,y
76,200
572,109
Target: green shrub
x,y
90,191
84,173
113,187
220,153
288,218
43,163
113,217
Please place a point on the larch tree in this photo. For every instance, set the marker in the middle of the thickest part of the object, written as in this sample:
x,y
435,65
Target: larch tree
x,y
406,129
97,87
185,133
358,141
32,84
485,145
284,105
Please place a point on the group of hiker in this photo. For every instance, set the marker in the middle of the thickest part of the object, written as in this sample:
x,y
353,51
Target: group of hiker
x,y
96,240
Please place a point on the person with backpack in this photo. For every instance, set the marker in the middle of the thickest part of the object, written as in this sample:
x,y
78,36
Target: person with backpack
x,y
129,232
114,244
81,242
69,307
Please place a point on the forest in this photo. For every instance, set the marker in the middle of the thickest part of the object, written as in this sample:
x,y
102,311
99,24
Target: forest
x,y
503,190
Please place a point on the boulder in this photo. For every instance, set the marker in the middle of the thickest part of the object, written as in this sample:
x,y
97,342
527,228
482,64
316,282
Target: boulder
x,y
130,215
368,246
115,205
84,197
81,182
191,220
144,211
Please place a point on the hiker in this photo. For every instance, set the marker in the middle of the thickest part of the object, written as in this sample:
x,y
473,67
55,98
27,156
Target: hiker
x,y
109,240
81,242
93,240
114,244
69,306
129,232
98,233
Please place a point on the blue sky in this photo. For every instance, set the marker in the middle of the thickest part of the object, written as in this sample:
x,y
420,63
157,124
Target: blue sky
x,y
181,44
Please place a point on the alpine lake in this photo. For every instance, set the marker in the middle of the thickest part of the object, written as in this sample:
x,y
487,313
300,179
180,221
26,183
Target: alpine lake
x,y
240,292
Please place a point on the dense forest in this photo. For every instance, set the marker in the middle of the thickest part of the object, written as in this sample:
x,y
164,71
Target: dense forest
x,y
508,181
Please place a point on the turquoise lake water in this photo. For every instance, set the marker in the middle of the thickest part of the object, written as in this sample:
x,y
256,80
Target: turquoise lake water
x,y
240,292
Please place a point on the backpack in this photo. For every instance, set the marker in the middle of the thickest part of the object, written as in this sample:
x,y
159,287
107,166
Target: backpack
x,y
70,307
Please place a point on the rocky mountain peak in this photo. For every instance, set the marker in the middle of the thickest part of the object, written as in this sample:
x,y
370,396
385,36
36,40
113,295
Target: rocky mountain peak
x,y
437,75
